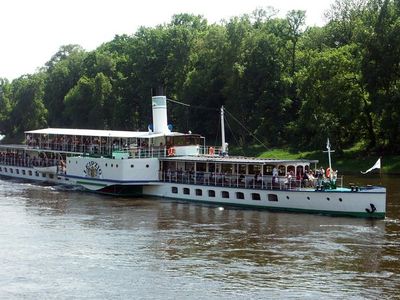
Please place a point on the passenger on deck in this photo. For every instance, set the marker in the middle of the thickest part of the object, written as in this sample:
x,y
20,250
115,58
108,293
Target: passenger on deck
x,y
334,176
320,176
305,180
242,180
288,180
274,172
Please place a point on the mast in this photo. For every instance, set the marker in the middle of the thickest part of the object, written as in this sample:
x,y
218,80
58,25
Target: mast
x,y
328,147
223,148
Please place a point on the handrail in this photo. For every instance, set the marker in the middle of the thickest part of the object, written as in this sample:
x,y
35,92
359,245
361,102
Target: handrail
x,y
241,181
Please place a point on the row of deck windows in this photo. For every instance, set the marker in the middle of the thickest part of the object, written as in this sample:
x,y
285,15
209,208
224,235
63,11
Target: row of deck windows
x,y
30,173
224,194
239,195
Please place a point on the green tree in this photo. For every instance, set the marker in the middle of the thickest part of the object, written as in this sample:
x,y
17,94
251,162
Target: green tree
x,y
85,102
28,110
5,106
332,94
63,72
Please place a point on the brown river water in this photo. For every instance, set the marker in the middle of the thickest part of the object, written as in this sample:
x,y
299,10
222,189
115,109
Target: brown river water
x,y
57,244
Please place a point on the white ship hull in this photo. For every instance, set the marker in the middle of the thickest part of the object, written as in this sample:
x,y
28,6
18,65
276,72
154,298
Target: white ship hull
x,y
363,203
340,202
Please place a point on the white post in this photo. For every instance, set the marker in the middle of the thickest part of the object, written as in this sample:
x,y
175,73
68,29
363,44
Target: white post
x,y
328,147
223,131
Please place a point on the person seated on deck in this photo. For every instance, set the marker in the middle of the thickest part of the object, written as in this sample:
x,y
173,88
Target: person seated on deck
x,y
256,178
320,176
191,174
288,180
200,176
334,177
305,179
275,182
311,178
211,177
180,175
242,179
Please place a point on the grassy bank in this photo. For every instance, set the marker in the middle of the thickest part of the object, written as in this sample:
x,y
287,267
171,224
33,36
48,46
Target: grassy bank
x,y
350,161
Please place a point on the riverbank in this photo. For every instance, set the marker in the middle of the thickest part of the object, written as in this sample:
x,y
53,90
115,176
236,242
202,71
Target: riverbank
x,y
351,161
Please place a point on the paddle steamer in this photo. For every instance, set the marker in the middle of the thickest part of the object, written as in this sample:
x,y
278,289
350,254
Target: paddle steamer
x,y
167,164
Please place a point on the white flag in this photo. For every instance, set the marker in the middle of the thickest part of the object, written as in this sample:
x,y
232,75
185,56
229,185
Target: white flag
x,y
377,165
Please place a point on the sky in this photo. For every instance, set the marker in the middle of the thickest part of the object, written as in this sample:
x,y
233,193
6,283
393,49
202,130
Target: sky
x,y
32,31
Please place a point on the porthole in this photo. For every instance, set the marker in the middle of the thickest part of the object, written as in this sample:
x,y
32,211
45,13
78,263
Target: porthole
x,y
211,193
239,195
112,165
131,166
287,197
174,190
340,199
327,198
106,164
199,192
255,196
225,194
116,165
30,173
186,191
147,166
308,198
273,197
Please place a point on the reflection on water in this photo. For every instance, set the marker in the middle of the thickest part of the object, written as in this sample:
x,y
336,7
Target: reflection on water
x,y
66,244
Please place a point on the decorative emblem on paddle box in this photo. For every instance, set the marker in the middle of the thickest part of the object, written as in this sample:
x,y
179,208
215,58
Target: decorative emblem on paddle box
x,y
92,169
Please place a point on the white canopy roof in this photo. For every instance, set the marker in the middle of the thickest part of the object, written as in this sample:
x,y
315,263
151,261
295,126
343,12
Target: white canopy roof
x,y
99,133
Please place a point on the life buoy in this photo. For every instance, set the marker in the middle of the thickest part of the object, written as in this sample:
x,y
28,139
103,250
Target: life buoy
x,y
211,151
328,172
171,151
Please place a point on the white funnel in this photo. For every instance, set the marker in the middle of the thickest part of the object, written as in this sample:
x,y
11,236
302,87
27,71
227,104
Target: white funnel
x,y
160,123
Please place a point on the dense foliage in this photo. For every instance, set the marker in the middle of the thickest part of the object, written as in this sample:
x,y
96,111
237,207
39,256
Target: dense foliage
x,y
290,85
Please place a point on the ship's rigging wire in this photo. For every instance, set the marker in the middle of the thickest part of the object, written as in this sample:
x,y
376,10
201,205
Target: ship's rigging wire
x,y
230,114
234,135
192,106
248,131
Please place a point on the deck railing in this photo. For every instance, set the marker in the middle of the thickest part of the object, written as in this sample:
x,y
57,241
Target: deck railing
x,y
28,162
132,152
244,181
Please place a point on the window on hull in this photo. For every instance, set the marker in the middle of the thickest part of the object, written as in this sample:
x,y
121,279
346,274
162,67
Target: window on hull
x,y
239,195
273,197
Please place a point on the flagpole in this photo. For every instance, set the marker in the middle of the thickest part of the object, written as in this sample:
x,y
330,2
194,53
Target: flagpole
x,y
328,147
